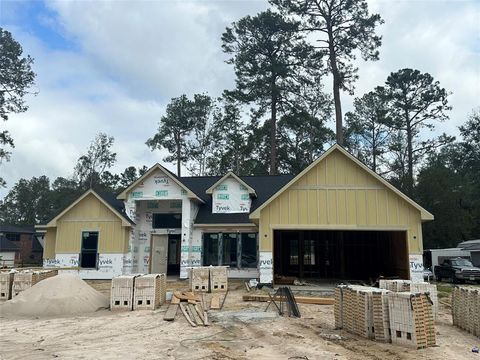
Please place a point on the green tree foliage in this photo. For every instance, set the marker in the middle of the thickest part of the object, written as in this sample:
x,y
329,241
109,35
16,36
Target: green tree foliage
x,y
183,116
415,102
369,128
28,202
16,78
273,66
302,138
341,28
229,136
99,157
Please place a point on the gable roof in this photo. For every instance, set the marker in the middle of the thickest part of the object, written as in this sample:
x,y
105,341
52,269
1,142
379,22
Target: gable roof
x,y
106,199
157,166
265,187
251,190
425,215
7,245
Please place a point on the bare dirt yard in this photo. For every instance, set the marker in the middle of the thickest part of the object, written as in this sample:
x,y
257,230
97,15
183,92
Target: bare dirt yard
x,y
145,335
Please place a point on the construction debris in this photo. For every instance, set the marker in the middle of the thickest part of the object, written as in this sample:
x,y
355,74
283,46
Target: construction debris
x,y
191,306
466,308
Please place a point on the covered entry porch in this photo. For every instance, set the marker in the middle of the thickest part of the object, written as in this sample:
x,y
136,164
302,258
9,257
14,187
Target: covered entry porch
x,y
340,254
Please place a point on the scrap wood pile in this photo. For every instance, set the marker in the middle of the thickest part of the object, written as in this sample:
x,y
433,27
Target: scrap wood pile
x,y
466,308
403,318
194,307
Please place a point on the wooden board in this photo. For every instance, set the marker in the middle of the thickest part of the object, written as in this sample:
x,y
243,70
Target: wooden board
x,y
186,295
299,299
171,312
215,303
193,314
184,311
175,300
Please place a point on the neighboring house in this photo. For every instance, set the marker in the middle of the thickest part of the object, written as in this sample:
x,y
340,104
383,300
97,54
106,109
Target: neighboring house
x,y
9,252
30,251
336,219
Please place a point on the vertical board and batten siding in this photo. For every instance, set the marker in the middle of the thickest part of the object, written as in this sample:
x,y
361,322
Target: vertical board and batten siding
x,y
339,194
90,214
49,244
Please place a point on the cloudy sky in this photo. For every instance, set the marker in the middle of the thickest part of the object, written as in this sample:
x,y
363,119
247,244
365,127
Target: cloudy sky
x,y
113,66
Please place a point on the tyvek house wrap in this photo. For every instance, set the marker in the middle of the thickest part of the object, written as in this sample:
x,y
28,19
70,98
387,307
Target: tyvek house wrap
x,y
230,197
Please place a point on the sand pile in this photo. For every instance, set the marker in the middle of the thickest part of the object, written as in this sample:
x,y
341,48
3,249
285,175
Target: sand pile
x,y
64,294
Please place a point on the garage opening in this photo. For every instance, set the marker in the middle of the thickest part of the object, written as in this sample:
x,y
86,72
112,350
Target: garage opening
x,y
346,255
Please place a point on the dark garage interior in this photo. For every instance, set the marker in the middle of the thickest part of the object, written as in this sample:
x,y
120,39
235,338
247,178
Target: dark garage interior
x,y
335,254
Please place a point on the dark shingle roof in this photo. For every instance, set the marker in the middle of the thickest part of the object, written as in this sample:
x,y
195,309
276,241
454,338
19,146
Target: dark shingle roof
x,y
7,245
111,199
265,187
21,229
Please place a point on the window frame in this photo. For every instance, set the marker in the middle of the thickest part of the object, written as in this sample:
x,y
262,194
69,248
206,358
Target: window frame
x,y
82,251
220,248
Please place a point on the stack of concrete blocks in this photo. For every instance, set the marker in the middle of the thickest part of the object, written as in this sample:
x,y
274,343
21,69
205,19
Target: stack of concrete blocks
x,y
466,308
354,310
200,279
121,294
26,279
409,286
411,319
149,291
338,306
381,317
395,285
6,282
218,278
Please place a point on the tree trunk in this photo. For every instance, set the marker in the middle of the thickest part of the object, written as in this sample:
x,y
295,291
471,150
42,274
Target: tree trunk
x,y
179,159
273,137
374,150
336,88
410,157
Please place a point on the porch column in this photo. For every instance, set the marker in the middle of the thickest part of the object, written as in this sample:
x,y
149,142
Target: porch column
x,y
187,230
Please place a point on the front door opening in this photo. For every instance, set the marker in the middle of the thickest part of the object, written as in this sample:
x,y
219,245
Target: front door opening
x,y
159,258
333,254
89,251
174,254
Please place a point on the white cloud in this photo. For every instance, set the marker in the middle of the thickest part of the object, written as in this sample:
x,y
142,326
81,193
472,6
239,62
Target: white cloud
x,y
129,58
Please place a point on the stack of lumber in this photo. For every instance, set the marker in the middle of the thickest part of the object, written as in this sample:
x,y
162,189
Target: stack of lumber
x,y
6,282
409,286
466,308
192,306
121,294
149,291
200,279
411,319
26,279
299,299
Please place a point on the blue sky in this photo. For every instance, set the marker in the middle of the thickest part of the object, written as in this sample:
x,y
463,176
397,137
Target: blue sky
x,y
113,66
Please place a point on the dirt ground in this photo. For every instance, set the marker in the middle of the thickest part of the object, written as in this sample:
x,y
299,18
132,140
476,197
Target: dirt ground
x,y
144,335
